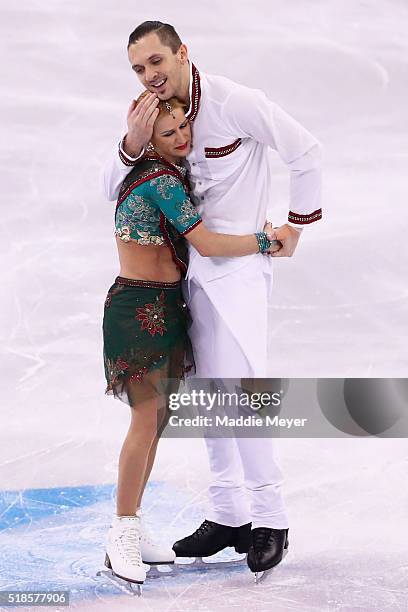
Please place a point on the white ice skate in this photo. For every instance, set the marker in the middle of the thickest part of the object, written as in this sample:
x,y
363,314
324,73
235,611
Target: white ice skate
x,y
155,554
152,552
123,557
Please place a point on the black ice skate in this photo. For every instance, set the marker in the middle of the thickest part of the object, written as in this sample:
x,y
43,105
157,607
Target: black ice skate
x,y
267,549
209,539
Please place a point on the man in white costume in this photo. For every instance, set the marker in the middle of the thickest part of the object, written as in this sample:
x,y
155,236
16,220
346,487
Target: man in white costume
x,y
233,127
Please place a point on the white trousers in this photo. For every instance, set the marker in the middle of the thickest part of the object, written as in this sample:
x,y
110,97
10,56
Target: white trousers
x,y
247,480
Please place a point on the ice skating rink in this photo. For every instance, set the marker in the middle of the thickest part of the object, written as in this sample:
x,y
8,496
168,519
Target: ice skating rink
x,y
340,305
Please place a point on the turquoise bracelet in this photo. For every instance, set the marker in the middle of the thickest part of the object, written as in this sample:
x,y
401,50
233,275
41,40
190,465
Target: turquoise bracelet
x,y
263,241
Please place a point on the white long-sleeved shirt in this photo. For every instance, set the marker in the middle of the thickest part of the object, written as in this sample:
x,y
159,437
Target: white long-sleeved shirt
x,y
233,126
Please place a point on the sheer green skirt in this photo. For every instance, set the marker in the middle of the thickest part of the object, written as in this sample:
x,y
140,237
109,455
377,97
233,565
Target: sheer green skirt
x,y
147,350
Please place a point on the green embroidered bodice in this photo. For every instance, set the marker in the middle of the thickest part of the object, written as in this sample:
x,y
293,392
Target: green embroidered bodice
x,y
152,191
154,207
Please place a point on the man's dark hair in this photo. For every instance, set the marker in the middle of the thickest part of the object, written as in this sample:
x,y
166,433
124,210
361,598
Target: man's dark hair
x,y
166,33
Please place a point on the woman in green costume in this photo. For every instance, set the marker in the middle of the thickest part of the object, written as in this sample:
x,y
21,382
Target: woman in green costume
x,y
146,346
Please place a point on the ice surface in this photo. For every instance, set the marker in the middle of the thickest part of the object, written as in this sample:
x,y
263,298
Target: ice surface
x,y
346,549
340,306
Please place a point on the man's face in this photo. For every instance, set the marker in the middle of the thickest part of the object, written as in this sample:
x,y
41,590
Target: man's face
x,y
157,67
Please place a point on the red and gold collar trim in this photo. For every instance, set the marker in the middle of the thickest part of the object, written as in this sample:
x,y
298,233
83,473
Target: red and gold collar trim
x,y
195,95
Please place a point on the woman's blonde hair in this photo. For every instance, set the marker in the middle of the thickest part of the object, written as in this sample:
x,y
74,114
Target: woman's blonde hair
x,y
165,106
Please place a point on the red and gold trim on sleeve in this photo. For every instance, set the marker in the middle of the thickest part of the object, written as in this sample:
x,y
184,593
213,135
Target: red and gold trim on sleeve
x,y
195,95
191,227
304,219
123,157
222,151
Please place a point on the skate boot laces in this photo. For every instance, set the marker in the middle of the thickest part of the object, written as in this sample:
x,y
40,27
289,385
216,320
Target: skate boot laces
x,y
202,529
127,538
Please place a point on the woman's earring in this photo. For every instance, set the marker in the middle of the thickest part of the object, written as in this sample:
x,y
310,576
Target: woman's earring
x,y
150,148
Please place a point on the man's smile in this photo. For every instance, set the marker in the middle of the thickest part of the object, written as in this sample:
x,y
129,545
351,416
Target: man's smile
x,y
158,83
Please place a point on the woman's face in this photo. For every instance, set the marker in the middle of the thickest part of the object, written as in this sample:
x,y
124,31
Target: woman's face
x,y
172,134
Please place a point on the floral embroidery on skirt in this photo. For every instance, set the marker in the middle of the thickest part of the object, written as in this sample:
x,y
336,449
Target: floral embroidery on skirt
x,y
152,316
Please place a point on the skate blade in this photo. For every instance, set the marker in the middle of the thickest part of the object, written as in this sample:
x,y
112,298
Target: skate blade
x,y
132,588
204,563
160,570
261,576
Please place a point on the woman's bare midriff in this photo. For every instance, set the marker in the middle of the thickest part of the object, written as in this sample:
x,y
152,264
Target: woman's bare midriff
x,y
146,262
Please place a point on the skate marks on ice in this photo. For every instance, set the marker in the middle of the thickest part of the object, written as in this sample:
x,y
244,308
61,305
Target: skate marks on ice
x,y
54,547
344,584
55,539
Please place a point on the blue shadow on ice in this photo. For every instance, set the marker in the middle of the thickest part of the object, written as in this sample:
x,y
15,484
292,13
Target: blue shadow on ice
x,y
54,539
20,507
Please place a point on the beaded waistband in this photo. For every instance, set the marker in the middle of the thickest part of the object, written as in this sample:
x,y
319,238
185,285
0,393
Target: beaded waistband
x,y
149,284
